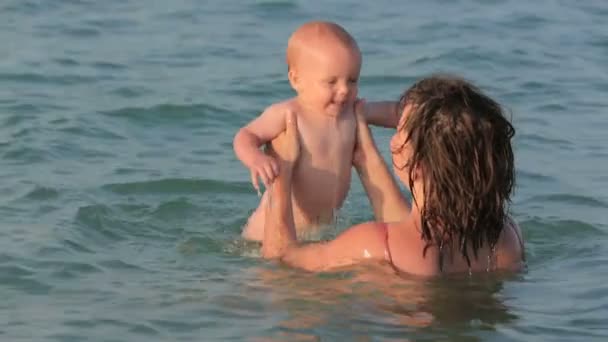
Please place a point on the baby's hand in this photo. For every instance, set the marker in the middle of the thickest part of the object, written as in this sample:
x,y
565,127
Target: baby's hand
x,y
263,167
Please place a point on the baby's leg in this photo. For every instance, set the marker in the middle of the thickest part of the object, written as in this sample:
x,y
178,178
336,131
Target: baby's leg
x,y
254,228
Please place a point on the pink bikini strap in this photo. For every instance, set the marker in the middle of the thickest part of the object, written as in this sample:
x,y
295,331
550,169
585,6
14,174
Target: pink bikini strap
x,y
387,249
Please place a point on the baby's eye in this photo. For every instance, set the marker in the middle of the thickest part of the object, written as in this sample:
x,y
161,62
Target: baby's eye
x,y
353,80
332,81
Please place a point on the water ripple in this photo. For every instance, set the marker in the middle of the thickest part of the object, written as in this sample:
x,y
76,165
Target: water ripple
x,y
131,92
123,202
113,24
41,193
25,155
544,140
389,80
76,246
271,9
137,328
119,265
539,228
175,209
22,279
92,131
35,78
572,199
107,66
31,7
72,270
191,115
80,32
535,176
66,61
178,186
201,245
10,271
100,220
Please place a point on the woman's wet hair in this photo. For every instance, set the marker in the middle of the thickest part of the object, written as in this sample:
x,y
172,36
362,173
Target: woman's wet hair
x,y
461,140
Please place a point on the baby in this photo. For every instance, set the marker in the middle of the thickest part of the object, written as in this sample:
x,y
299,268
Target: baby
x,y
324,62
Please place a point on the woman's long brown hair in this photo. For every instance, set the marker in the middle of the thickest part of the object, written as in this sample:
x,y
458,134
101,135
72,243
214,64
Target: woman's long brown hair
x,y
462,141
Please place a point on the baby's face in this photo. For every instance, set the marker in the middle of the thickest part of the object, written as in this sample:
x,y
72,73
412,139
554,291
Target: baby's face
x,y
329,78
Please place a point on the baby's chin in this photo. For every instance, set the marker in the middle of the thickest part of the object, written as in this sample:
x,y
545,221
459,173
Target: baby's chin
x,y
335,109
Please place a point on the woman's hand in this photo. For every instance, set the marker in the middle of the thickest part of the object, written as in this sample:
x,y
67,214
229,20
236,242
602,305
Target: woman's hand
x,y
279,228
287,145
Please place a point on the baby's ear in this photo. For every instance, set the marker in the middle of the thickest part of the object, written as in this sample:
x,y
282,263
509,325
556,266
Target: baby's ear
x,y
292,75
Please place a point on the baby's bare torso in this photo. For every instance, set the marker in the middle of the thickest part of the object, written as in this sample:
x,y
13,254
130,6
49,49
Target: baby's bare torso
x,y
322,175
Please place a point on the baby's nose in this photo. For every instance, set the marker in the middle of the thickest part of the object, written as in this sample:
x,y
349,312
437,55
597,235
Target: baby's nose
x,y
343,90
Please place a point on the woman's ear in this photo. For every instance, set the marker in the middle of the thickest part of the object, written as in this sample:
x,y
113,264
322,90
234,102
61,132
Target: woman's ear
x,y
417,172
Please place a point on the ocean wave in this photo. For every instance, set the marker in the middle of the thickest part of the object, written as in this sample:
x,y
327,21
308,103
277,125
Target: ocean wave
x,y
535,176
178,186
572,199
197,115
179,209
71,269
92,130
41,193
166,221
101,221
26,155
539,229
201,245
532,138
270,8
37,78
400,82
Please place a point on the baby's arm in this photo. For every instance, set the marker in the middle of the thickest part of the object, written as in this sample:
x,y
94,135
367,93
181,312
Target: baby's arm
x,y
382,113
249,139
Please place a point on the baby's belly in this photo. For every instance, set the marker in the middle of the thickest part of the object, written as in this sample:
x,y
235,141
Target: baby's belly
x,y
317,194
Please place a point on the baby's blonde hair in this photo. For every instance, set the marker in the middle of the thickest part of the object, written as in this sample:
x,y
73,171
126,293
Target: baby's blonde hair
x,y
314,31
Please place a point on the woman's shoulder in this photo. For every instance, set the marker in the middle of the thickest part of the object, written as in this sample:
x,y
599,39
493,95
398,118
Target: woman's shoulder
x,y
408,252
510,251
365,239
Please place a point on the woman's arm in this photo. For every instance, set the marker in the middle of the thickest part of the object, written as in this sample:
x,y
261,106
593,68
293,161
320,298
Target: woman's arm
x,y
279,228
362,242
359,243
382,113
384,194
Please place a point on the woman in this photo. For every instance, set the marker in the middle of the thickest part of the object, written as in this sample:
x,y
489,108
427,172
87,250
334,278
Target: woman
x,y
452,149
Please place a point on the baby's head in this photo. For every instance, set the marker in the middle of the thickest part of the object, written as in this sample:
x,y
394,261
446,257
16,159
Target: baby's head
x,y
323,63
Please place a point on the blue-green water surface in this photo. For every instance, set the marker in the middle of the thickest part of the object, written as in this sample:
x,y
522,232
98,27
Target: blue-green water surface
x,y
121,201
